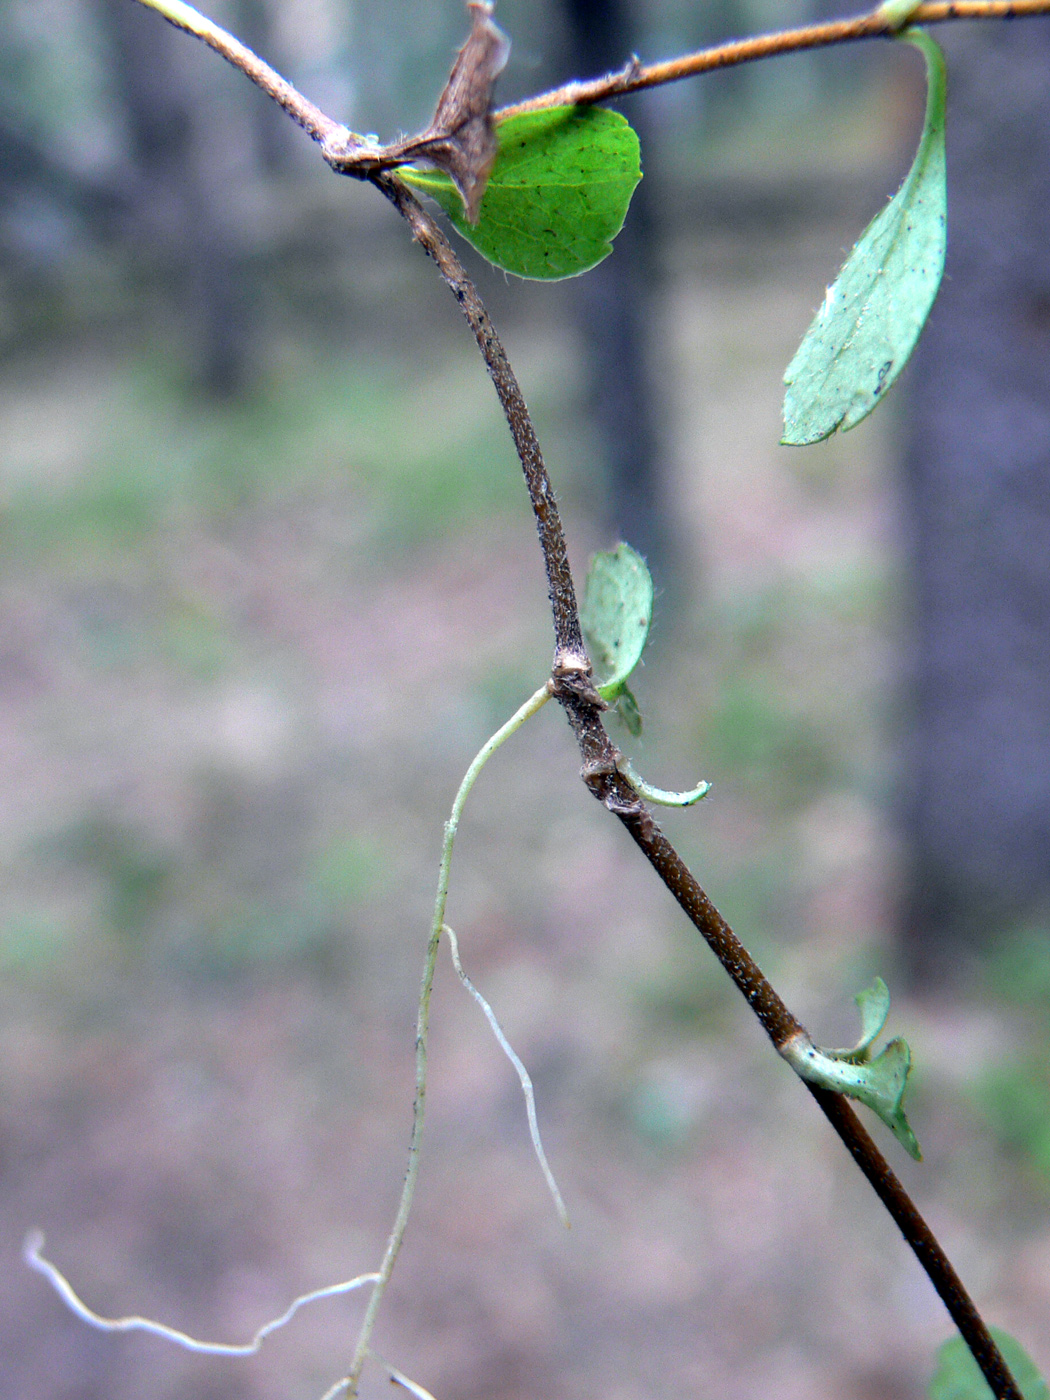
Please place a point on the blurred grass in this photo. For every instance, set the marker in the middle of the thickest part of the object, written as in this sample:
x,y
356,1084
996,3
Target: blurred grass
x,y
150,455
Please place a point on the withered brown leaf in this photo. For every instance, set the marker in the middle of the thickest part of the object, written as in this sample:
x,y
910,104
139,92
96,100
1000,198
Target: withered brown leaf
x,y
461,138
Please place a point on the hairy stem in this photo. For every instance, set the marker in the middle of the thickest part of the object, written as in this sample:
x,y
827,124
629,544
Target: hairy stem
x,y
634,77
570,652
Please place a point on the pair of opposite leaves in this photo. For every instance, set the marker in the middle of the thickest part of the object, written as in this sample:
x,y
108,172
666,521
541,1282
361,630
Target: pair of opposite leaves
x,y
557,192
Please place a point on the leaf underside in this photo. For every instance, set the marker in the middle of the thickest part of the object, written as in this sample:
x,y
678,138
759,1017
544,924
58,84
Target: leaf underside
x,y
616,614
863,334
877,1081
557,195
958,1377
874,1006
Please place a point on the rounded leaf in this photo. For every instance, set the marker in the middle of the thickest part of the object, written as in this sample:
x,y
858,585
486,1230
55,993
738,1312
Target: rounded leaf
x,y
557,195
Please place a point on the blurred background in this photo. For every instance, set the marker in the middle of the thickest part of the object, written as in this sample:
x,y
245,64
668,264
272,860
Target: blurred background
x,y
269,579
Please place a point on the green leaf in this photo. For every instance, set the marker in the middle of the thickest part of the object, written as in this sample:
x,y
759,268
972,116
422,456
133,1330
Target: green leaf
x,y
877,1082
872,315
616,614
626,706
874,1007
958,1376
557,195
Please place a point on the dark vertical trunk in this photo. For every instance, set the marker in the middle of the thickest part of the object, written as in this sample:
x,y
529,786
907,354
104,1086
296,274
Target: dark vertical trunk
x,y
271,129
977,482
178,146
613,307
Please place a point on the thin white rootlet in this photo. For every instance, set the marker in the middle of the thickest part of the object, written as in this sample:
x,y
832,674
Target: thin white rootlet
x,y
32,1255
523,1075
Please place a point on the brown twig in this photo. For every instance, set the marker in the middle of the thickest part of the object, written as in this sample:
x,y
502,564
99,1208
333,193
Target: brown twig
x,y
921,1240
570,652
351,154
636,76
302,111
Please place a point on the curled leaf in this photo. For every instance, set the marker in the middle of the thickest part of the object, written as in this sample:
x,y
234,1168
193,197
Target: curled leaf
x,y
874,1004
873,313
878,1082
616,615
556,196
661,797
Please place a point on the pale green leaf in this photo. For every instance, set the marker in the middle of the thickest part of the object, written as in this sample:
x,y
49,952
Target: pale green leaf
x,y
873,313
874,1004
626,706
557,195
959,1378
616,614
877,1082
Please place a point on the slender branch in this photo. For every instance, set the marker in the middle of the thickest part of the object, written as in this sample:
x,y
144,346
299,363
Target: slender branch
x,y
322,128
570,652
636,76
351,154
348,1385
922,1241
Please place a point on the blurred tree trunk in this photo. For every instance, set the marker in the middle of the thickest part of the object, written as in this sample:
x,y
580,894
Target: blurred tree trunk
x,y
977,808
179,145
271,129
614,305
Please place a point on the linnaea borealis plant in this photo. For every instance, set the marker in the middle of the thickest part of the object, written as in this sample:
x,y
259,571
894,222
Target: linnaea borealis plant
x,y
541,189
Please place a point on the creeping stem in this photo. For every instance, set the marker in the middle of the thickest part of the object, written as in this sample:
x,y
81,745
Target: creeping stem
x,y
348,1386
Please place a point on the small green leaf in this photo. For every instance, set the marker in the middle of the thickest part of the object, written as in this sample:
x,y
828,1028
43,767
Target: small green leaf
x,y
872,315
877,1082
557,195
616,614
626,706
958,1377
874,1003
